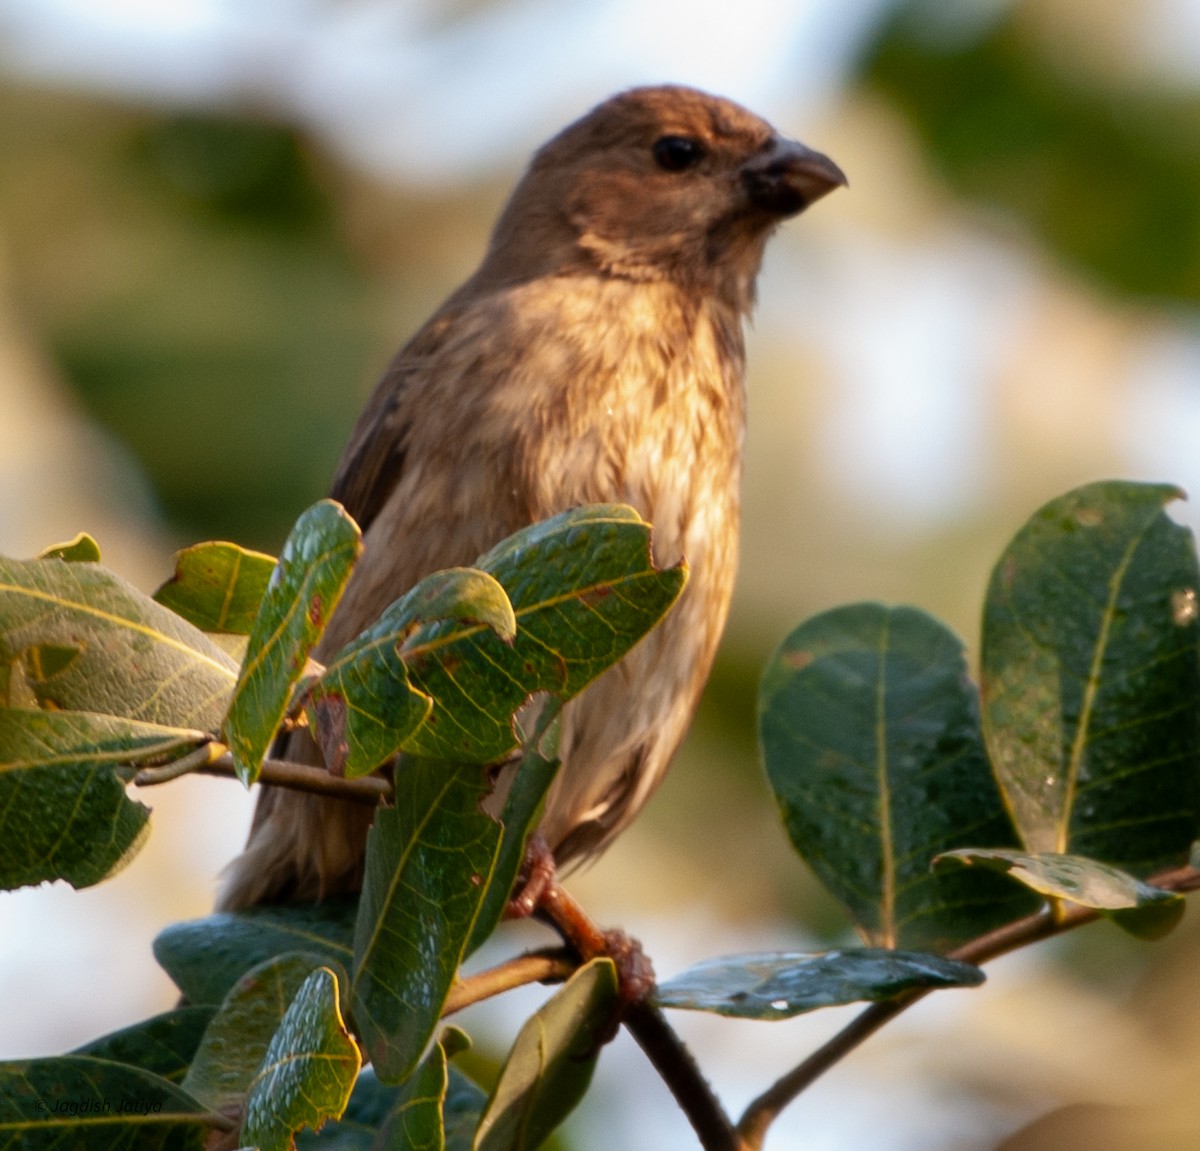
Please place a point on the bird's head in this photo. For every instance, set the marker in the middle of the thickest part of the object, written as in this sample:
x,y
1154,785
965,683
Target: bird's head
x,y
663,183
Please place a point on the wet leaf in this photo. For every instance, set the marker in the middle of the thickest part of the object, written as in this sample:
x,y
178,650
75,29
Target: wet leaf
x,y
551,1063
429,861
236,1040
584,590
77,637
363,708
870,735
1141,909
309,1069
779,985
309,579
1091,674
358,1127
206,957
218,586
64,813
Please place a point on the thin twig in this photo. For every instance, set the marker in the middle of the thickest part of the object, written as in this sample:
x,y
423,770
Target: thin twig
x,y
533,967
573,923
762,1112
369,789
208,752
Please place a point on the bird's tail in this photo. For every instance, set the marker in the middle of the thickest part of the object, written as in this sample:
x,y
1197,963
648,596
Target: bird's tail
x,y
302,848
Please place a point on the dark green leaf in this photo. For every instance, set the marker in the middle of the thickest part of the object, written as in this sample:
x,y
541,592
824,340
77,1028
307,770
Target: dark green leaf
x,y
462,1111
415,1121
76,637
550,1066
308,1071
238,1037
1141,909
206,957
870,736
363,708
429,861
384,1118
76,1101
778,985
82,549
163,1044
584,589
358,1128
1091,675
522,811
64,813
311,575
218,586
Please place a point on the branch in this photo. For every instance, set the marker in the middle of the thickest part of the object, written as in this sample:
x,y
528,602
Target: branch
x,y
678,1069
369,789
654,1035
533,967
1049,921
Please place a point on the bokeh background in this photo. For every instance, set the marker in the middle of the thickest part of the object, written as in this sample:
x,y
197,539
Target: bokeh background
x,y
219,217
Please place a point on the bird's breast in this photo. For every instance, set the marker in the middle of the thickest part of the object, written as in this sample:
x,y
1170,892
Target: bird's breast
x,y
634,395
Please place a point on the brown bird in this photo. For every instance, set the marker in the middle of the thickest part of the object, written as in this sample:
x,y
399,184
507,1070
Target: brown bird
x,y
596,355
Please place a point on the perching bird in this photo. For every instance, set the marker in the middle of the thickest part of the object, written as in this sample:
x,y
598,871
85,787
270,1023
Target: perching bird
x,y
596,355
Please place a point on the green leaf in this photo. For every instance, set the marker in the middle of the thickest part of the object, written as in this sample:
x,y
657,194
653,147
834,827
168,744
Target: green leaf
x,y
77,1101
778,985
82,549
551,1063
1091,675
462,1111
429,861
415,1121
309,1069
163,1044
1141,909
521,815
363,709
358,1127
218,586
311,575
76,637
64,813
206,957
238,1036
870,736
584,589
384,1118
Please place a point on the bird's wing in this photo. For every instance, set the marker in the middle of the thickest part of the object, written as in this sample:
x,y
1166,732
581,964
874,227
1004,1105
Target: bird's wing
x,y
373,460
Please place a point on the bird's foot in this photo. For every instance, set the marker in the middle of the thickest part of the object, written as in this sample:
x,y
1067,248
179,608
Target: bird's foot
x,y
537,892
635,973
537,877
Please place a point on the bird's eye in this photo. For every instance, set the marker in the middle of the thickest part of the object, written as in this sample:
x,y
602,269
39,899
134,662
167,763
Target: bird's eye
x,y
677,153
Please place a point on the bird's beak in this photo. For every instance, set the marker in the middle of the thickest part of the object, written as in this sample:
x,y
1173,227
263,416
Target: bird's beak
x,y
786,177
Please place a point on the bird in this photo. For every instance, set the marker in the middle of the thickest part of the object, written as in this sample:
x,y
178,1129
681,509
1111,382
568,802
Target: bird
x,y
595,356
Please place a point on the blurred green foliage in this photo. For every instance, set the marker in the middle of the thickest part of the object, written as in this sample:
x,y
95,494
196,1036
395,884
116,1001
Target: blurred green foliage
x,y
1104,169
189,277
